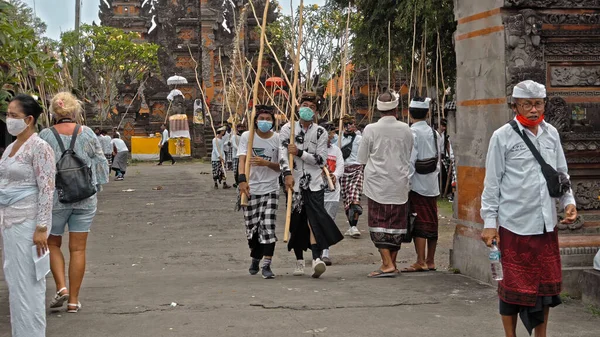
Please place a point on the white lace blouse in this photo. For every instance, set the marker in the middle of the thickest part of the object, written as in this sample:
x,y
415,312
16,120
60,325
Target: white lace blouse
x,y
33,165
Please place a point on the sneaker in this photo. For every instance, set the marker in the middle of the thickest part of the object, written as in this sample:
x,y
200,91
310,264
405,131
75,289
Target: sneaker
x,y
327,260
254,267
348,232
119,178
319,268
299,271
216,186
354,232
225,186
267,273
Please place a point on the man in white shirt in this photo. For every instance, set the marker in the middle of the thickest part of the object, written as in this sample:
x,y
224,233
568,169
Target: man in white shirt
x,y
262,189
228,147
335,165
164,146
385,151
517,199
120,156
235,144
218,162
311,226
425,187
351,182
447,167
105,142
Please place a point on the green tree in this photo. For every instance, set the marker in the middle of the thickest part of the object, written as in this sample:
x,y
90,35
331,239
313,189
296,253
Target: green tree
x,y
370,33
27,65
107,56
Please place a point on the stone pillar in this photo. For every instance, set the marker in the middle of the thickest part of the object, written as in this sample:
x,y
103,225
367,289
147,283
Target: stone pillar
x,y
498,44
481,109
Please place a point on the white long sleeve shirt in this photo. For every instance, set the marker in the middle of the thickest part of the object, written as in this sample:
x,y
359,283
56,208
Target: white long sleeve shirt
x,y
515,195
426,185
308,168
353,158
165,137
235,144
385,151
217,149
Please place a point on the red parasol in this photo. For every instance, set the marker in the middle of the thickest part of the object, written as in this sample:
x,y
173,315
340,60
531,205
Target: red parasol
x,y
280,92
275,81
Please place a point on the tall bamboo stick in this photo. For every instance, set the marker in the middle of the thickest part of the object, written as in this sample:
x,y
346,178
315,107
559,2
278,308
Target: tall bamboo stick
x,y
412,56
344,61
288,213
244,198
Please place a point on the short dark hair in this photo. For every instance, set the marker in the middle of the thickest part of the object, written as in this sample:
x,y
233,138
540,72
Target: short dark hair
x,y
29,106
103,132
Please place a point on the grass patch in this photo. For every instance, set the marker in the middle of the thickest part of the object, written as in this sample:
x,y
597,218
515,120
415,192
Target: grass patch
x,y
594,310
454,270
566,297
445,208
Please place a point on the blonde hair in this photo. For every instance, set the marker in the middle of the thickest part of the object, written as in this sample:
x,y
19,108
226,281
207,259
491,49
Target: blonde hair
x,y
65,105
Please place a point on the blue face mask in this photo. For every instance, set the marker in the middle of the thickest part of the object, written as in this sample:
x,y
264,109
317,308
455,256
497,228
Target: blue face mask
x,y
265,126
306,114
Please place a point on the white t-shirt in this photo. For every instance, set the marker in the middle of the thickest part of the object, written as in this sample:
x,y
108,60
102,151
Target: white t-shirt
x,y
119,144
165,137
335,165
262,180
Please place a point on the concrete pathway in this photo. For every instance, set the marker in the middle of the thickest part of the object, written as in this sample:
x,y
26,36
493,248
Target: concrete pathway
x,y
165,236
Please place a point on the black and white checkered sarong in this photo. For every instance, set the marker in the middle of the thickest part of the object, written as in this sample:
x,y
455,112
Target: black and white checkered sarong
x,y
260,217
217,171
236,163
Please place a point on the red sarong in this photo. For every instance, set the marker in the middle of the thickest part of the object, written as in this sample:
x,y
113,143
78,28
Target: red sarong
x,y
426,223
387,224
531,267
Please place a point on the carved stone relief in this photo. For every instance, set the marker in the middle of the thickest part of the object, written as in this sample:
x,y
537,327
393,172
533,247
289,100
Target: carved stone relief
x,y
575,76
524,52
587,194
558,114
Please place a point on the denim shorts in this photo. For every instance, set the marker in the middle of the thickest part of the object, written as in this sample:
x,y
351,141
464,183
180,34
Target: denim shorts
x,y
79,220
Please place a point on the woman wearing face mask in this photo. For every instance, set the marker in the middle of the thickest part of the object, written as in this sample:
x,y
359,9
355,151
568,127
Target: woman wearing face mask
x,y
79,215
261,187
27,172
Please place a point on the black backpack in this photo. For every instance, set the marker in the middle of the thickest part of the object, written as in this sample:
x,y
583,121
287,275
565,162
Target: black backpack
x,y
73,176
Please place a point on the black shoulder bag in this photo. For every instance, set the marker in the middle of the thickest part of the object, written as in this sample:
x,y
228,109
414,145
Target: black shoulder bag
x,y
347,149
558,183
429,165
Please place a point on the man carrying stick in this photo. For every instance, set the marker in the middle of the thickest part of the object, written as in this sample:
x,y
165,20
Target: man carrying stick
x,y
218,170
311,226
262,189
351,182
385,151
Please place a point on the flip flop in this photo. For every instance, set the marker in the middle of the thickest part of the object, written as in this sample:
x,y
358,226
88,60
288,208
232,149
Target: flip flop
x,y
379,273
414,268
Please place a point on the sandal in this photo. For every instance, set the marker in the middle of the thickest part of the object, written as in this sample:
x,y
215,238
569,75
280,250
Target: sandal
x,y
59,299
380,273
415,268
73,308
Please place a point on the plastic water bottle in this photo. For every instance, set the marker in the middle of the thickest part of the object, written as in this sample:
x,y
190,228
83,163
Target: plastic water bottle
x,y
495,262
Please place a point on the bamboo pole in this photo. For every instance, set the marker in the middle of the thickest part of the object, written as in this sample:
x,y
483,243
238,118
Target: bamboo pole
x,y
389,54
344,61
212,124
225,97
442,75
288,213
244,198
412,62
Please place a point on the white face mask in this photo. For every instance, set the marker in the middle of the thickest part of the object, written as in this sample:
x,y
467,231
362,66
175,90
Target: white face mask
x,y
15,126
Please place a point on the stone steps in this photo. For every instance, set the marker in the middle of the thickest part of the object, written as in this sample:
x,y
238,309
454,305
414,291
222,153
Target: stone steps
x,y
590,293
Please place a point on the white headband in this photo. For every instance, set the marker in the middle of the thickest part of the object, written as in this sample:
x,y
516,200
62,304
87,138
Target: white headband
x,y
420,105
529,89
387,106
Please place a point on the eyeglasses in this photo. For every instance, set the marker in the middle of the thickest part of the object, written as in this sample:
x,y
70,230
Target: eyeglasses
x,y
527,106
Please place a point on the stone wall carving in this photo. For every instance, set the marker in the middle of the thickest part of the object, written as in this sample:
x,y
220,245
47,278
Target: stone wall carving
x,y
524,59
587,194
558,114
575,76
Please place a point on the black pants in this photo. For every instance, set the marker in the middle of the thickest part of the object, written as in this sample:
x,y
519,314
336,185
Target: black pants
x,y
258,250
164,154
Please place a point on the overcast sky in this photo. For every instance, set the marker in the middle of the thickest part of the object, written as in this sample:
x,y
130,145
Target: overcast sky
x,y
59,15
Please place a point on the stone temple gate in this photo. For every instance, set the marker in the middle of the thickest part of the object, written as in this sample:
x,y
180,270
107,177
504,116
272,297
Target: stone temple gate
x,y
498,44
